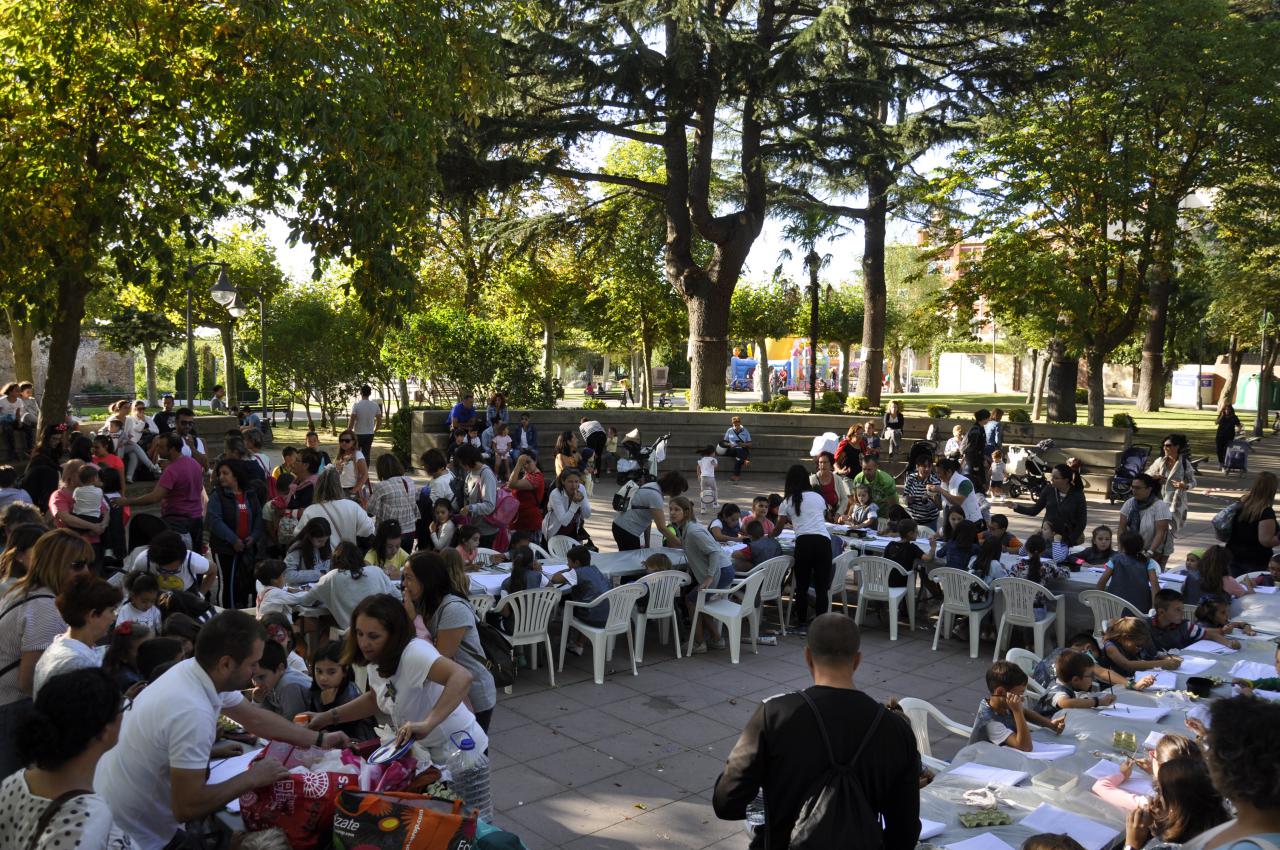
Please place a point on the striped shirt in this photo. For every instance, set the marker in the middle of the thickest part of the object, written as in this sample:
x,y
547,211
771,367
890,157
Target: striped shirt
x,y
922,506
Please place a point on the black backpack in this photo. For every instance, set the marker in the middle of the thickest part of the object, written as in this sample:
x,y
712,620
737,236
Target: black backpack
x,y
836,810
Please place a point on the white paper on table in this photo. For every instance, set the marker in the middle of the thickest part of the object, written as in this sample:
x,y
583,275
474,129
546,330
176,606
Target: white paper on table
x,y
985,774
1176,578
1091,834
1103,769
1165,680
230,768
985,841
931,828
1270,696
1047,751
1138,784
1193,666
1210,646
1146,714
1252,670
1262,589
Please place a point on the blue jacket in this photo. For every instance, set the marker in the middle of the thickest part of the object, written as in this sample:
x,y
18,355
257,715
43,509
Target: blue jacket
x,y
221,519
532,438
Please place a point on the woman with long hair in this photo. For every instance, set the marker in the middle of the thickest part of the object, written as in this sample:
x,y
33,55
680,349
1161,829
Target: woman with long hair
x,y
1062,502
16,557
804,510
352,466
527,482
568,507
430,593
409,680
342,588
1228,426
309,556
568,456
1175,476
236,532
1254,532
30,624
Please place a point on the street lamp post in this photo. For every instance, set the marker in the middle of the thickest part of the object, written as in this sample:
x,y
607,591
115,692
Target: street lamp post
x,y
220,286
237,309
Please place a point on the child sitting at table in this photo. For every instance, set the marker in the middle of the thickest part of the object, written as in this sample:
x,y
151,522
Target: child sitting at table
x,y
961,548
277,686
331,687
525,574
727,526
1073,685
1168,748
760,548
1271,578
775,502
275,598
986,566
1051,841
469,545
143,590
906,553
1127,648
998,527
1099,550
1267,683
587,584
1216,614
1170,629
280,630
1046,670
1131,575
310,554
1054,535
859,511
760,512
1002,717
442,527
386,552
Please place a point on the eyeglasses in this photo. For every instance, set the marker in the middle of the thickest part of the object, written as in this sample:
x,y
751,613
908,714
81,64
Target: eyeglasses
x,y
168,572
345,440
77,566
1170,445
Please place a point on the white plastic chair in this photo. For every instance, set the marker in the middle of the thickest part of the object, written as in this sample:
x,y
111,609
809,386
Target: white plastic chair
x,y
531,612
1106,608
955,603
839,576
489,557
622,602
732,613
663,589
1253,576
540,553
1189,611
771,591
918,712
1019,610
873,584
559,545
1028,661
481,603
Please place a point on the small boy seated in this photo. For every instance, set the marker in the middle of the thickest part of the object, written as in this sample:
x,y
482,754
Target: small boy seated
x,y
906,553
1084,643
1073,685
587,584
998,525
519,540
1171,630
758,550
279,687
1271,578
275,597
88,496
1002,716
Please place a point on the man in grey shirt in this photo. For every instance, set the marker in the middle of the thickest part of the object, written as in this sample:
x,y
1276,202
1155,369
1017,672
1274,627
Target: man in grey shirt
x,y
646,507
366,417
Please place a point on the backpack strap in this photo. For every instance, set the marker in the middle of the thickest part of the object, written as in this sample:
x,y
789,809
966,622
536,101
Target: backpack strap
x,y
4,671
826,739
51,811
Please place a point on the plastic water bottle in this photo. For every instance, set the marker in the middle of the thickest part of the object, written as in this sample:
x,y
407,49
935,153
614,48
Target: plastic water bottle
x,y
469,773
755,815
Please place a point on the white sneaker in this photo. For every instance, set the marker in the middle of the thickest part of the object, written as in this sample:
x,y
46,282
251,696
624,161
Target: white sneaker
x,y
699,649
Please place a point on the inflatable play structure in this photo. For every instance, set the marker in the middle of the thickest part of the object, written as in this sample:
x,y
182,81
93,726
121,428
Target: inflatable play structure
x,y
742,370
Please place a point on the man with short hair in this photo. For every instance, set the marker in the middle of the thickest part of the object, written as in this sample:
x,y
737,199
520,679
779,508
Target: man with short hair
x,y
154,778
883,491
366,419
165,418
179,491
192,445
525,438
463,412
782,748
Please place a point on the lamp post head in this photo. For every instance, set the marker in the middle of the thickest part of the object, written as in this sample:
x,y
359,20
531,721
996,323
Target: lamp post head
x,y
223,292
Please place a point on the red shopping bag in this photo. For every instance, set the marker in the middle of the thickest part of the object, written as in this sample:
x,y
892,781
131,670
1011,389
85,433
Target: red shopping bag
x,y
302,805
371,820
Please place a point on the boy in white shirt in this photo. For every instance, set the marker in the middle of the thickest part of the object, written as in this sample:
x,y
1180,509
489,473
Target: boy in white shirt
x,y
707,463
88,496
275,597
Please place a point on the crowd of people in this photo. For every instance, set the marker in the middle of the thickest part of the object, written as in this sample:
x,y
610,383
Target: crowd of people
x,y
102,593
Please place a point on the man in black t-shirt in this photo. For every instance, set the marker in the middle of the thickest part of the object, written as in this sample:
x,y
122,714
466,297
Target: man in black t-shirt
x,y
975,451
781,750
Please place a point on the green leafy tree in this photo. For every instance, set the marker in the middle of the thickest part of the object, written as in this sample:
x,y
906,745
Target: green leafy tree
x,y
150,331
841,317
760,313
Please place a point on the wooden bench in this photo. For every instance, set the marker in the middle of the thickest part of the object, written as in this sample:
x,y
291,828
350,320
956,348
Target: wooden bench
x,y
79,401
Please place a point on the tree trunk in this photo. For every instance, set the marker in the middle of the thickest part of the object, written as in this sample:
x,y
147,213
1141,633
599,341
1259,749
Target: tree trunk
x,y
1035,366
762,369
1094,361
646,362
1268,363
870,374
1235,356
22,336
64,345
811,260
1063,371
1151,382
548,346
150,354
403,386
229,354
1041,380
895,370
846,355
708,345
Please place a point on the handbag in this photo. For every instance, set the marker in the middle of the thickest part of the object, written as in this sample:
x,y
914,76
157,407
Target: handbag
x,y
496,647
1224,521
372,820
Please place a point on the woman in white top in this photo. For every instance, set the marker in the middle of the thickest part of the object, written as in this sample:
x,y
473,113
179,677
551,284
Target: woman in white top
x,y
51,804
409,680
345,586
568,507
129,440
803,509
88,604
352,465
958,491
347,520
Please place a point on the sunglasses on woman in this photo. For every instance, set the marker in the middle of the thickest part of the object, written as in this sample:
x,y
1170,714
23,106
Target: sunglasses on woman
x,y
78,566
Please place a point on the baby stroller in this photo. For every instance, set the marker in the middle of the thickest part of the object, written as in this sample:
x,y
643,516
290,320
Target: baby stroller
x,y
1027,471
1236,457
1133,461
639,465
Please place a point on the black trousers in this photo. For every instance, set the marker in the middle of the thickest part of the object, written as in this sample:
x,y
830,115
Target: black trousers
x,y
626,541
812,569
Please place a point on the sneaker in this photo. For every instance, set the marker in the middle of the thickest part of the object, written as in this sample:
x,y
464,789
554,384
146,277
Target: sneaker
x,y
576,650
716,644
699,649
802,631
767,640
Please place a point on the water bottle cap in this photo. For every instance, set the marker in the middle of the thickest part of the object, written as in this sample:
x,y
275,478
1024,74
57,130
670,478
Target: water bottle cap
x,y
466,744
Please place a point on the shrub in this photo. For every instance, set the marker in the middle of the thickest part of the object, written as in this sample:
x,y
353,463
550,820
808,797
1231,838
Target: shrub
x,y
592,404
1082,395
1017,414
938,411
780,404
859,404
1124,420
402,436
831,402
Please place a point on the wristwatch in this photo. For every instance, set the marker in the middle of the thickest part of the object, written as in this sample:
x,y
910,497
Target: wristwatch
x,y
319,737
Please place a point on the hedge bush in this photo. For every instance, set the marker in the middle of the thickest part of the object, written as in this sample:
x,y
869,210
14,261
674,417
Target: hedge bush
x,y
592,404
938,411
1124,420
1017,414
1082,395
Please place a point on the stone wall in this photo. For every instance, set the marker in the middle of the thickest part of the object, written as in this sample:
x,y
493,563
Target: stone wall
x,y
95,364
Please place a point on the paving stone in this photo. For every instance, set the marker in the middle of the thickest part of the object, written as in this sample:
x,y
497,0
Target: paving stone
x,y
578,766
